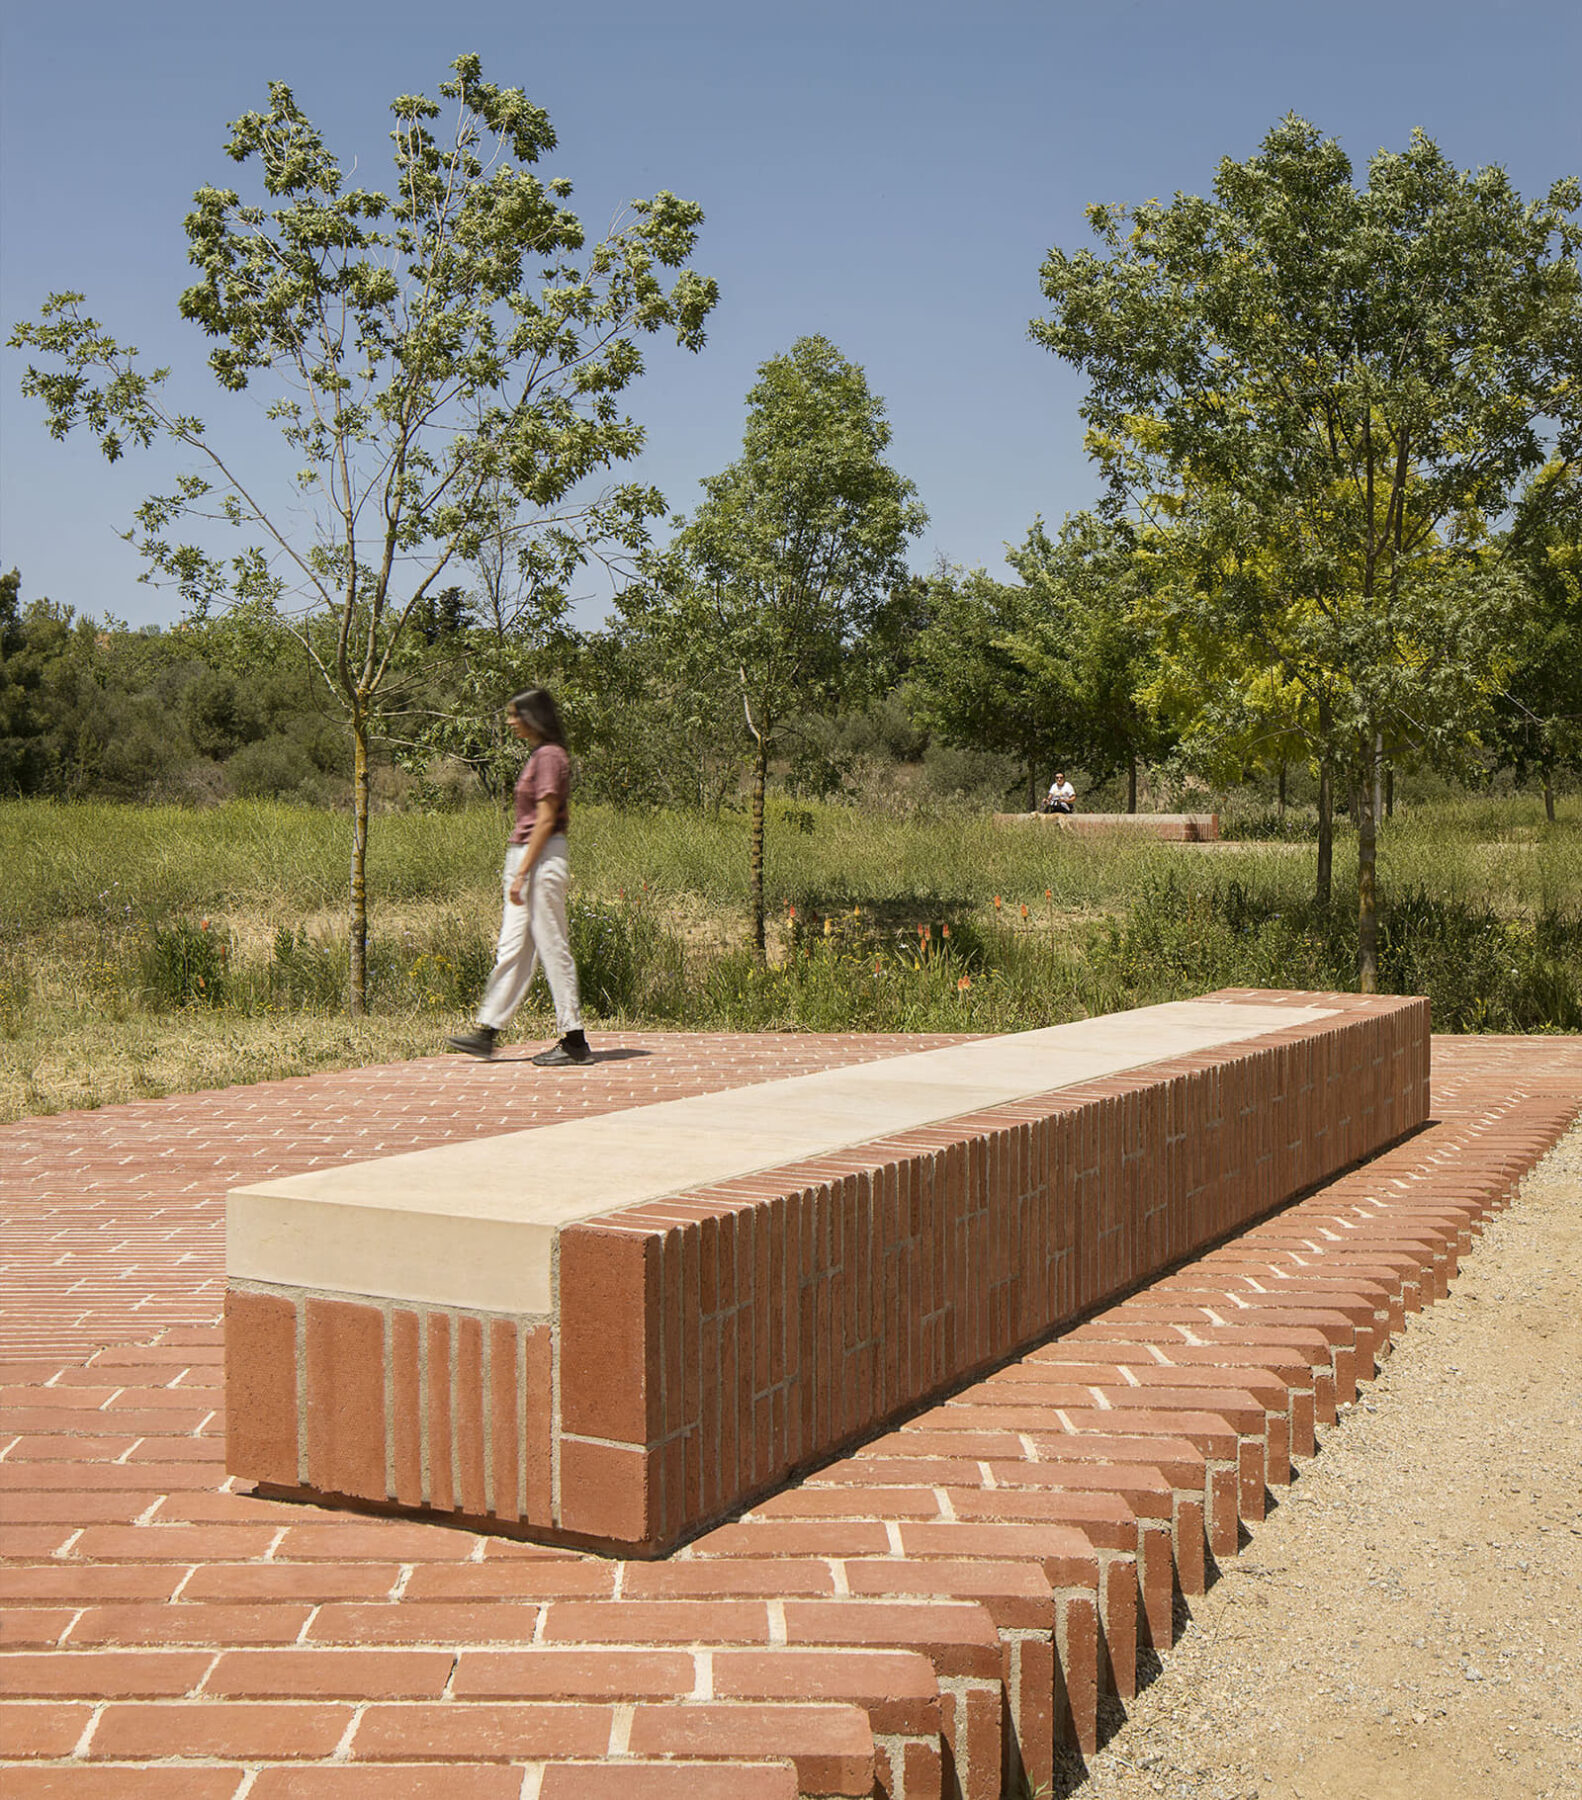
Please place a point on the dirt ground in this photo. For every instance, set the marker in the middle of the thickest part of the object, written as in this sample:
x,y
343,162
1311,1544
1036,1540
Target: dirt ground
x,y
1407,1623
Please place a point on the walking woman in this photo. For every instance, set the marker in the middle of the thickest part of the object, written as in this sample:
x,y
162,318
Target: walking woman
x,y
533,928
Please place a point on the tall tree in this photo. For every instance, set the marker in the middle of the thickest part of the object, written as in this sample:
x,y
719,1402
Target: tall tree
x,y
1364,375
1088,580
1539,706
792,559
980,674
430,354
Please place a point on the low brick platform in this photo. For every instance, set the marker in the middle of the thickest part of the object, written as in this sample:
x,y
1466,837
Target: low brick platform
x,y
1171,828
933,1614
484,1331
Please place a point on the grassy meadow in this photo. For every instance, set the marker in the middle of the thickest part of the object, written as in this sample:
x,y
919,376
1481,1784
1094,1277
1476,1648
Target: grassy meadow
x,y
148,950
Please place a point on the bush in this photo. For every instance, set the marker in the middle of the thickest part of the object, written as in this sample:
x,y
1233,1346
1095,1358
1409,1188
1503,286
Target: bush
x,y
271,768
184,965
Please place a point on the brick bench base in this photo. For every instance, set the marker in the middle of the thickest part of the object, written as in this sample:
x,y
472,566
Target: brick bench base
x,y
703,1345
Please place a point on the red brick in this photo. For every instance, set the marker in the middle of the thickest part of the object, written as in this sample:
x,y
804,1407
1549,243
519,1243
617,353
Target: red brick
x,y
831,1746
425,1622
896,1688
607,1491
549,1672
345,1398
349,1538
673,1781
74,1782
245,1731
434,1781
481,1733
656,1622
316,1582
331,1674
469,1404
499,1578
42,1728
104,1674
181,1623
608,1291
31,1626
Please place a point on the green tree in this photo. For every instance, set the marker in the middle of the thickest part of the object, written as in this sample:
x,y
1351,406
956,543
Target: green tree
x,y
424,352
792,560
1539,707
988,671
1089,580
1362,376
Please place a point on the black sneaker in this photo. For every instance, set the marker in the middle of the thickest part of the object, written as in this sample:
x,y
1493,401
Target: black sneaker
x,y
572,1048
477,1042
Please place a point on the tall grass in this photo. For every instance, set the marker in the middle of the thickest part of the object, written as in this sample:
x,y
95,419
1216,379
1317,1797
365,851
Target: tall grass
x,y
225,928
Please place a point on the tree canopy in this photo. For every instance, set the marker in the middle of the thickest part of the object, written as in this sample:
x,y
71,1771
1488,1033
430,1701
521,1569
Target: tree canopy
x,y
1316,400
789,565
444,361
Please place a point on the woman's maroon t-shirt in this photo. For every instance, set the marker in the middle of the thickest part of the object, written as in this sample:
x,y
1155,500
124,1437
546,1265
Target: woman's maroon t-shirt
x,y
547,776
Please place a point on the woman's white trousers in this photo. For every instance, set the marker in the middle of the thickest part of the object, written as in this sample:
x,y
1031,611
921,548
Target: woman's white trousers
x,y
532,934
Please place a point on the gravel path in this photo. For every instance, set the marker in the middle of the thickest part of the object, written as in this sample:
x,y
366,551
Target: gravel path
x,y
1407,1623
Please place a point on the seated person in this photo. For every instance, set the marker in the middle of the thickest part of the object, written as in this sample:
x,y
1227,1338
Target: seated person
x,y
1062,796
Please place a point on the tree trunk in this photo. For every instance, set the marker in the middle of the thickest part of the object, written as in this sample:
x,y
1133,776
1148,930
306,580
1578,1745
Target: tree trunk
x,y
1282,793
359,911
1326,835
1370,803
1131,784
1389,792
1326,806
1549,793
756,877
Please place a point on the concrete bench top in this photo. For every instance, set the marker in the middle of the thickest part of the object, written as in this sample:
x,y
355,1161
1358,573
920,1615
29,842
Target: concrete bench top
x,y
474,1224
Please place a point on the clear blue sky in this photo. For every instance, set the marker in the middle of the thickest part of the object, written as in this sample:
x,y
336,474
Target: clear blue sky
x,y
887,172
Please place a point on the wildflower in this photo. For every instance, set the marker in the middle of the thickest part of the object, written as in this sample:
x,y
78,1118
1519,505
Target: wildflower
x,y
1024,909
996,902
203,924
944,931
1048,894
827,924
791,912
963,984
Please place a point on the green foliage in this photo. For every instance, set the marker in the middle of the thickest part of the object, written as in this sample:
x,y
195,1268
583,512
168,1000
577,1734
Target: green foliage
x,y
185,963
443,362
771,593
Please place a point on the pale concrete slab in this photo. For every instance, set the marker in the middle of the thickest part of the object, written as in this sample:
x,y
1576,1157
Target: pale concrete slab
x,y
473,1225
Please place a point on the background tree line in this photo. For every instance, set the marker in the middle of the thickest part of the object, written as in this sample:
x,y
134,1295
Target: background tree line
x,y
1338,428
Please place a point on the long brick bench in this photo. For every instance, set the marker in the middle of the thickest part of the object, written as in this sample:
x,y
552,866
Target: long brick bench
x,y
614,1331
1174,828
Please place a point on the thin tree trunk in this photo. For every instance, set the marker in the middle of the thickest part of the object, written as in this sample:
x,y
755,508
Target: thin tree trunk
x,y
1389,792
756,878
1370,803
359,908
1282,793
1549,793
1131,784
1326,809
1032,787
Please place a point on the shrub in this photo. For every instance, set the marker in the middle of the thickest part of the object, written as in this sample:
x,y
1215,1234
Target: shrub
x,y
184,965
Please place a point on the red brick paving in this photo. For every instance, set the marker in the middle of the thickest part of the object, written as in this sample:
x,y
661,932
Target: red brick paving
x,y
946,1601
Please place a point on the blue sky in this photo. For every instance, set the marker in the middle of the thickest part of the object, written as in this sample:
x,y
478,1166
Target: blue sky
x,y
888,174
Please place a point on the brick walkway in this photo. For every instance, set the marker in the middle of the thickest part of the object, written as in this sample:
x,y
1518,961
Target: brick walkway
x,y
937,1609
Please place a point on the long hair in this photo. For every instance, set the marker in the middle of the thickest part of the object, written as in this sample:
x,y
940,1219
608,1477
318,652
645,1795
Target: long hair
x,y
537,708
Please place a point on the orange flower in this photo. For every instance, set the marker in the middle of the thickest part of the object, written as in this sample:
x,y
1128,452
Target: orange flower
x,y
203,924
791,912
963,984
1048,895
996,902
944,931
1024,909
